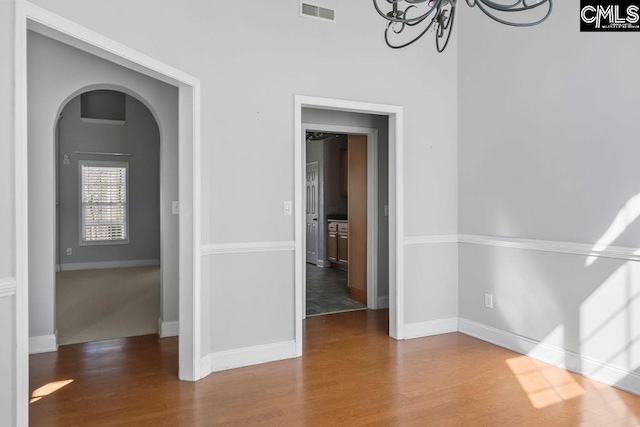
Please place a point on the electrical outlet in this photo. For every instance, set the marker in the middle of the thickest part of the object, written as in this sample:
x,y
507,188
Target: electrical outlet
x,y
69,251
488,300
175,208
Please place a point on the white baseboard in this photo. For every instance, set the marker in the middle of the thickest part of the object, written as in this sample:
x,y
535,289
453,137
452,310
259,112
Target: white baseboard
x,y
323,263
108,264
553,355
43,343
168,329
432,327
247,356
383,302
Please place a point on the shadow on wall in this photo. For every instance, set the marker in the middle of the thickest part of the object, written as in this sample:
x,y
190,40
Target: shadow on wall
x,y
584,311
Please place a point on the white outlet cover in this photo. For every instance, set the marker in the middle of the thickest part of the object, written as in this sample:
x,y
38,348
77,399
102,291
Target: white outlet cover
x,y
488,300
175,208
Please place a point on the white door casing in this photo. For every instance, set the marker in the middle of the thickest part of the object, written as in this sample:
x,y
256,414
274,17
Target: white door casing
x,y
312,213
32,17
396,202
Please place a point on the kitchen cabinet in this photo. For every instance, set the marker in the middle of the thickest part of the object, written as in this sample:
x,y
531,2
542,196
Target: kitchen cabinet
x,y
338,243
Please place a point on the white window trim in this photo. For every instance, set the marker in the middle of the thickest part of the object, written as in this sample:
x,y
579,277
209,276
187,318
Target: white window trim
x,y
96,163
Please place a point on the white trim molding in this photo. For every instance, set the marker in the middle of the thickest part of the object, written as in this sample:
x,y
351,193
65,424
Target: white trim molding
x,y
589,250
396,205
231,359
109,264
248,247
168,329
43,343
41,20
383,302
584,249
7,287
553,355
372,202
431,239
430,328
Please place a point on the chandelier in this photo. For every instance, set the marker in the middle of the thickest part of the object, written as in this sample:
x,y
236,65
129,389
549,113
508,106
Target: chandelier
x,y
437,16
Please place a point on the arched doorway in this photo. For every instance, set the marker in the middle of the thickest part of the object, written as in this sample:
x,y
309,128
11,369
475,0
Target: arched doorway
x,y
108,218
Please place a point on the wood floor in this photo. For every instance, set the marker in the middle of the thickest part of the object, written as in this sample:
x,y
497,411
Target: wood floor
x,y
351,374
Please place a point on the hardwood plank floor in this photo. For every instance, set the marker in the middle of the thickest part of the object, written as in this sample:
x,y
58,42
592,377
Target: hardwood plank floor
x,y
351,374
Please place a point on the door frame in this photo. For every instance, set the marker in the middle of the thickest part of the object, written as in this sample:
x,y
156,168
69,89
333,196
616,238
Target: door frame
x,y
396,205
318,209
31,17
372,202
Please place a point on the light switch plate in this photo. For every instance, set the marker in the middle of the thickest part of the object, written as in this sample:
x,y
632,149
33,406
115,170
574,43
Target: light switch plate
x,y
288,207
175,208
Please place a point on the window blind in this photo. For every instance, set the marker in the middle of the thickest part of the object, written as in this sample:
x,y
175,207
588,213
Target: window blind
x,y
104,203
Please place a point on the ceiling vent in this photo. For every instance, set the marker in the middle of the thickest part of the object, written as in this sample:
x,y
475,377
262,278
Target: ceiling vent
x,y
309,10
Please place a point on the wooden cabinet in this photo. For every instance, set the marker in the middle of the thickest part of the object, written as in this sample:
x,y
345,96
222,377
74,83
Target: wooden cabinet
x,y
343,248
338,243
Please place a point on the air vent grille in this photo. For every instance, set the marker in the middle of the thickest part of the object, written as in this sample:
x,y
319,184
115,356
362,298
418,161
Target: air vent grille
x,y
313,11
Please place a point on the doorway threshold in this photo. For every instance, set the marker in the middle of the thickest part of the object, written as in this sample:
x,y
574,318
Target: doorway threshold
x,y
336,312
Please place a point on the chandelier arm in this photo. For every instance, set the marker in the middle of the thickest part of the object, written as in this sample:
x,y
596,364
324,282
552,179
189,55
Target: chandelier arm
x,y
482,6
413,24
404,20
518,6
500,6
448,28
419,36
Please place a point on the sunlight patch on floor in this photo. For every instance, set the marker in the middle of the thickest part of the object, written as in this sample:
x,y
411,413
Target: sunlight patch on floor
x,y
544,385
48,389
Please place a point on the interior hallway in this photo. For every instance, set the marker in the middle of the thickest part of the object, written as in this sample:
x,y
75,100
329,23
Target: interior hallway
x,y
352,373
94,305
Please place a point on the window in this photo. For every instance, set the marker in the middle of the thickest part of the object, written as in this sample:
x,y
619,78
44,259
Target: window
x,y
104,210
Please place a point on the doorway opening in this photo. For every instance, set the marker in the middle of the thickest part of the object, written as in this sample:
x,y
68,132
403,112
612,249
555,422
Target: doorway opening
x,y
336,222
188,130
108,228
332,116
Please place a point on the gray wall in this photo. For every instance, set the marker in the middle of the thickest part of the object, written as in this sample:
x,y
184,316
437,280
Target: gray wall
x,y
139,137
50,88
381,123
549,150
7,224
249,75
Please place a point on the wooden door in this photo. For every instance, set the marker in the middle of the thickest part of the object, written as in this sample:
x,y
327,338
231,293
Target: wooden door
x,y
312,213
357,213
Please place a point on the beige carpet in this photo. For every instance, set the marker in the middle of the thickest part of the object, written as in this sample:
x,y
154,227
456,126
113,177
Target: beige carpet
x,y
94,305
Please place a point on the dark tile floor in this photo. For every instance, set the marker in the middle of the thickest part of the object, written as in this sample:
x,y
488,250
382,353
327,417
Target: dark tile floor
x,y
327,291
